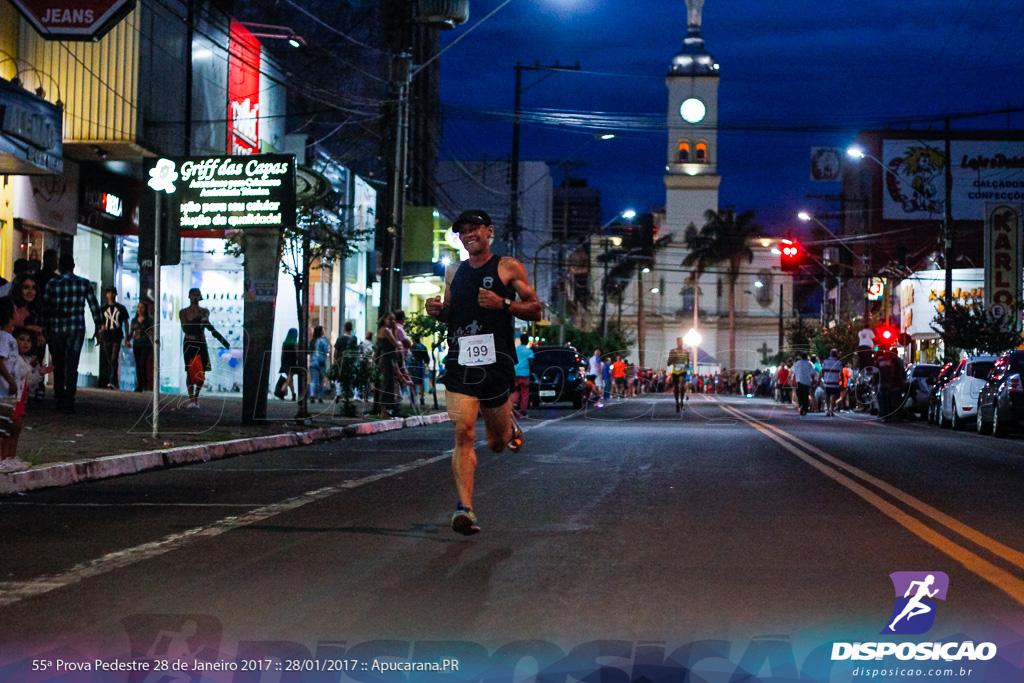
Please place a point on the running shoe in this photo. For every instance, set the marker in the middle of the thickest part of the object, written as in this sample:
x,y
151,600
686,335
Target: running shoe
x,y
464,521
515,444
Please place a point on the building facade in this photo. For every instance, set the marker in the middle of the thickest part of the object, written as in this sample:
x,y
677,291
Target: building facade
x,y
658,306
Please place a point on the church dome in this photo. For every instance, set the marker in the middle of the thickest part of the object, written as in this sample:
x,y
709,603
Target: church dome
x,y
694,59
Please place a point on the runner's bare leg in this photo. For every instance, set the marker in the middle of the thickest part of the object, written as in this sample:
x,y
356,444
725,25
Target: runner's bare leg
x,y
463,411
498,423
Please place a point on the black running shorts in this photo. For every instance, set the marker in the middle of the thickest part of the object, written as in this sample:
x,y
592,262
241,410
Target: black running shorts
x,y
491,384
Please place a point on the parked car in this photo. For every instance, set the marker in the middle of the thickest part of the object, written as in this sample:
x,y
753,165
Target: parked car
x,y
960,395
935,395
557,376
1001,400
920,378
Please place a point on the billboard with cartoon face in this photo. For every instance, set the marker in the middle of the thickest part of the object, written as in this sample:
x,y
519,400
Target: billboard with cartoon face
x,y
983,171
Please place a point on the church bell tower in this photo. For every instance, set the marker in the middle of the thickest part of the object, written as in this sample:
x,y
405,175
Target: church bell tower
x,y
691,169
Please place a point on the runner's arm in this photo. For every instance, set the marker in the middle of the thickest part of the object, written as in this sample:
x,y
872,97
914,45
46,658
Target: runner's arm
x,y
437,307
528,307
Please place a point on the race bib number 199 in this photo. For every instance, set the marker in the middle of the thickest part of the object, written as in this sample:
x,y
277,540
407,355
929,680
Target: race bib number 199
x,y
477,349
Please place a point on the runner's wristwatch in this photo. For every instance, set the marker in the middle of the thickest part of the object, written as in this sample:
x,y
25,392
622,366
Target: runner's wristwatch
x,y
507,303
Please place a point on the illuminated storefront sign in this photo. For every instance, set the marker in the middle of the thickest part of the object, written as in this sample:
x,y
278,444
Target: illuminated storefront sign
x,y
921,297
236,192
243,92
1002,256
30,133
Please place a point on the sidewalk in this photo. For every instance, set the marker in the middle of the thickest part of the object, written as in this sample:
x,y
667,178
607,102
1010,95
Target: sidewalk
x,y
111,433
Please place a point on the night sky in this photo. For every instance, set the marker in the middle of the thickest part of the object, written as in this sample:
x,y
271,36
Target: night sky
x,y
794,74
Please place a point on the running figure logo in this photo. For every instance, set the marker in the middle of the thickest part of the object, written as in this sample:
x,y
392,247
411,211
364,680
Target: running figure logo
x,y
916,593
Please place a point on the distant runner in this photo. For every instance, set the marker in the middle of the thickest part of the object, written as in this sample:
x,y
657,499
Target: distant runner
x,y
479,306
679,361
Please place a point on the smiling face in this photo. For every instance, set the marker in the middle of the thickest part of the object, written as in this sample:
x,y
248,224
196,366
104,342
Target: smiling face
x,y
476,238
28,290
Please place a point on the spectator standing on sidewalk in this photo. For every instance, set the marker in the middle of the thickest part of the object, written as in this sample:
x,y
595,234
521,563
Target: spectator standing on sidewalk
x,y
521,390
865,345
140,341
318,363
419,368
290,360
832,378
805,376
114,331
387,352
28,313
65,297
48,271
346,341
366,348
195,321
10,424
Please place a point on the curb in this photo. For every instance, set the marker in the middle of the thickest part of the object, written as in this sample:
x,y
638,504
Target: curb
x,y
65,474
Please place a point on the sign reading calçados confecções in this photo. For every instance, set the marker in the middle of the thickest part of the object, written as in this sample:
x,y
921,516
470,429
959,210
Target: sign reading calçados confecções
x,y
236,192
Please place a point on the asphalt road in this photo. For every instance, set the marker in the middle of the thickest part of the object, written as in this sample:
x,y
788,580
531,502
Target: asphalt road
x,y
617,532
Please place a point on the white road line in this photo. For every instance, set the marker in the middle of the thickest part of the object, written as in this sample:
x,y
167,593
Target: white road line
x,y
12,592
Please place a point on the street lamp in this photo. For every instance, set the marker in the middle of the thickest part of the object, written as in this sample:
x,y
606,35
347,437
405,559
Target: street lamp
x,y
693,340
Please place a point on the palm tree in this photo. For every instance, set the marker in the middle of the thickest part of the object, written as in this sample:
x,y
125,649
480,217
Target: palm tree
x,y
724,239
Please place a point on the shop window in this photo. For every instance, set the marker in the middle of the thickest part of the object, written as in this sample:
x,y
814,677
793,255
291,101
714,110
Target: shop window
x,y
702,153
684,152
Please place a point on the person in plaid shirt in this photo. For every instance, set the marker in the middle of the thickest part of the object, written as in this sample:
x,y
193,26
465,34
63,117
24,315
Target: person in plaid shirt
x,y
65,297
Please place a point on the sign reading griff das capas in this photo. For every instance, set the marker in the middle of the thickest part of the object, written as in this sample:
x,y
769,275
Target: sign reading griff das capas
x,y
235,192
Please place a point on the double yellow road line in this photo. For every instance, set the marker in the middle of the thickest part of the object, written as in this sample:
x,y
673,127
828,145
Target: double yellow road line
x,y
874,491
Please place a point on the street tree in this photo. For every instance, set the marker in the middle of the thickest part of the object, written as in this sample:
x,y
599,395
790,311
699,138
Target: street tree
x,y
724,240
973,329
322,233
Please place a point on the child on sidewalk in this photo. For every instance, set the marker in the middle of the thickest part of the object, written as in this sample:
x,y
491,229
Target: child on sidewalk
x,y
27,373
9,361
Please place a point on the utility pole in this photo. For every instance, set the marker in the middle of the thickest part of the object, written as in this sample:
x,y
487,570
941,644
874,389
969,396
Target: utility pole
x,y
641,323
391,284
782,335
947,299
513,209
604,293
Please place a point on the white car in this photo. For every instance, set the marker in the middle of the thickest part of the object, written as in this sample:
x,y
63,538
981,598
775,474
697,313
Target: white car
x,y
959,398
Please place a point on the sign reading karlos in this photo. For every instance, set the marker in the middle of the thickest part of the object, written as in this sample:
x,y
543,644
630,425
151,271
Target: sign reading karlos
x,y
236,192
1003,241
73,19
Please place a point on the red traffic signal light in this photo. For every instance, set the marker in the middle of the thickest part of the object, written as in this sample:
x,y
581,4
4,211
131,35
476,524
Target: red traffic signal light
x,y
791,256
886,337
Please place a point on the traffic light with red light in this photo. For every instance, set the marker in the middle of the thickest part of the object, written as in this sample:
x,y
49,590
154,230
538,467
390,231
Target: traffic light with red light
x,y
792,255
885,337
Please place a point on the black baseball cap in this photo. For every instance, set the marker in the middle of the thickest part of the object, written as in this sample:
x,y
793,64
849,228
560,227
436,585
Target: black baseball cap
x,y
471,217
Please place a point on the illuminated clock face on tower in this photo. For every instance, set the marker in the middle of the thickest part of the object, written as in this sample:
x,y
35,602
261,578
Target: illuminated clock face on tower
x,y
692,110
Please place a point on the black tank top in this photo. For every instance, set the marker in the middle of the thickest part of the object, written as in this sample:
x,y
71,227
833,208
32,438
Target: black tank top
x,y
468,317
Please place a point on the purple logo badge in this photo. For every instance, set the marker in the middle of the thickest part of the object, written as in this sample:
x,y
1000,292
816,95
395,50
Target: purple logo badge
x,y
916,593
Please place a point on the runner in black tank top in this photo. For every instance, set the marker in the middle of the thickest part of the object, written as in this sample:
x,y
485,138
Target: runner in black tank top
x,y
479,306
491,383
